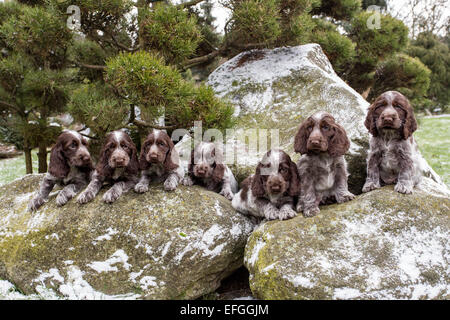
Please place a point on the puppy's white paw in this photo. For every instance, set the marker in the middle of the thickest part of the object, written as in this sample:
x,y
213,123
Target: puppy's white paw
x,y
170,185
286,212
85,197
370,185
111,195
311,212
403,188
140,188
344,197
188,181
227,194
35,203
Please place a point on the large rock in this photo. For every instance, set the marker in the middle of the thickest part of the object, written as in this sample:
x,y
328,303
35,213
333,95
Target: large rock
x,y
163,245
279,88
382,245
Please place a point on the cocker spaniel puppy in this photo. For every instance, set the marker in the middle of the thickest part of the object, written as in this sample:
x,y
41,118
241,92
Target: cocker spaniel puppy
x,y
207,169
70,166
322,167
270,193
118,164
393,156
159,160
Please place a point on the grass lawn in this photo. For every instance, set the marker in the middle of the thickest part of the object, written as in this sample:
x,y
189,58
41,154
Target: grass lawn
x,y
14,168
433,138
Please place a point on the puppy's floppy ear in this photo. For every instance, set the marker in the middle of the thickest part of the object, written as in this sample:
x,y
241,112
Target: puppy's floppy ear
x,y
257,184
219,169
191,164
294,184
370,121
339,143
172,158
133,166
102,167
410,124
301,138
58,166
143,164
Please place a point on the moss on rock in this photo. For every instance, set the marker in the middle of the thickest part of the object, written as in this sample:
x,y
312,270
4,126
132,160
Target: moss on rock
x,y
382,245
160,245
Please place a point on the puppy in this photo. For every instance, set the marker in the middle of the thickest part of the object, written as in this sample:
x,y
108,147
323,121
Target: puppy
x,y
207,169
118,164
270,192
393,156
159,160
70,166
322,167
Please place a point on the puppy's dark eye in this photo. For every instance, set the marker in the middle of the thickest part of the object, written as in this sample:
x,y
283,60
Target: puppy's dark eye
x,y
161,144
283,170
309,128
326,128
73,145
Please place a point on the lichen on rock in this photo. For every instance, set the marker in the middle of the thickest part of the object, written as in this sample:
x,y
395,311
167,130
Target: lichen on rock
x,y
382,245
159,245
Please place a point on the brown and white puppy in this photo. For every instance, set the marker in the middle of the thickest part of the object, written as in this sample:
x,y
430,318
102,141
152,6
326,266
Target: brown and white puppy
x,y
70,166
159,160
118,164
270,192
393,156
322,167
207,169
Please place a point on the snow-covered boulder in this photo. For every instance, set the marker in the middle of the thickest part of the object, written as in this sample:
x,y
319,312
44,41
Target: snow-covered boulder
x,y
278,89
382,245
159,245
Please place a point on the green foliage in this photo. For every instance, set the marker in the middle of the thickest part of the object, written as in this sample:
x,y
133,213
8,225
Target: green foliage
x,y
339,49
339,9
39,33
88,52
142,79
170,31
405,74
435,54
96,106
255,21
373,45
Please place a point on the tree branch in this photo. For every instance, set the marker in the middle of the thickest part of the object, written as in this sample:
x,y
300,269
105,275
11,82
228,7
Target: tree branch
x,y
141,123
88,66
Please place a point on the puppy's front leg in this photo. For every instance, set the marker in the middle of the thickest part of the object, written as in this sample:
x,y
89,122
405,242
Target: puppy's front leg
x,y
267,209
44,190
308,202
92,189
142,185
405,182
226,188
287,211
117,190
373,171
341,186
68,193
171,182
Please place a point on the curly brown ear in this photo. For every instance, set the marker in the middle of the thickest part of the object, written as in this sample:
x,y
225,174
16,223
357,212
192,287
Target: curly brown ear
x,y
370,121
218,173
58,166
294,184
410,124
103,169
301,139
134,165
257,184
143,164
339,143
172,158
